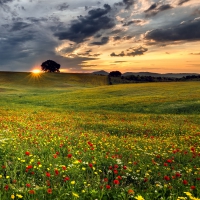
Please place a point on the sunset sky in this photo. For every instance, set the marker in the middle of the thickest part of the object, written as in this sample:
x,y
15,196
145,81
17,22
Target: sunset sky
x,y
90,35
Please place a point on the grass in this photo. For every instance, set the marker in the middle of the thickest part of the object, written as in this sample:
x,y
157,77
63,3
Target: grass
x,y
62,138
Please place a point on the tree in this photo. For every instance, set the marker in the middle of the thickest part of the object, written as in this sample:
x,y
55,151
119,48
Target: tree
x,y
50,66
115,74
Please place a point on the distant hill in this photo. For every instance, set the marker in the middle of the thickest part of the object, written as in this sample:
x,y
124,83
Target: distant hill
x,y
51,80
102,72
172,75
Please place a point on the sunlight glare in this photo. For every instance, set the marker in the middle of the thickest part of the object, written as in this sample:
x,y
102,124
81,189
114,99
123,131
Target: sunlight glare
x,y
36,71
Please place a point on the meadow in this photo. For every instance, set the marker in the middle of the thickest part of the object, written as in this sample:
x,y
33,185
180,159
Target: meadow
x,y
73,136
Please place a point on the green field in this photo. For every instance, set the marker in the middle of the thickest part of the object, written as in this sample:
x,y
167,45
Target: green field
x,y
73,136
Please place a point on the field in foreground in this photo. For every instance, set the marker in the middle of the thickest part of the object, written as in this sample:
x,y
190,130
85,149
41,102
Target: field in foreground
x,y
137,141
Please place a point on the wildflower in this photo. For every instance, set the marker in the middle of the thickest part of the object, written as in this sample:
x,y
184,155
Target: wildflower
x,y
192,187
27,153
169,161
66,179
6,187
31,192
12,196
69,155
116,182
145,180
49,191
108,187
19,196
185,182
167,178
1,176
115,171
130,191
139,197
64,167
75,195
48,174
56,172
178,174
105,179
73,182
90,165
124,167
28,185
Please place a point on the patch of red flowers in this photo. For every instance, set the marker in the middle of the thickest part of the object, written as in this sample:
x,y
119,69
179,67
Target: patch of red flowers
x,y
167,178
49,191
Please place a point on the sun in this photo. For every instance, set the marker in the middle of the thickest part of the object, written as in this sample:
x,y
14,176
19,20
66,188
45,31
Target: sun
x,y
36,71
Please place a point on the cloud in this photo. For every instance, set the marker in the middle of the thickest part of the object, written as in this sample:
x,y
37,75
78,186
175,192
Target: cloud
x,y
19,26
5,1
188,31
154,9
182,2
135,21
85,27
104,40
134,51
196,54
126,3
63,6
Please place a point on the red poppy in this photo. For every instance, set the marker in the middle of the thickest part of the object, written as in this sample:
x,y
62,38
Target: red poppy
x,y
116,166
6,187
49,191
31,192
28,185
90,165
29,167
185,182
48,174
66,179
167,178
124,167
119,177
69,155
145,180
116,182
56,172
130,191
192,187
115,171
108,187
64,168
105,179
27,153
169,161
178,174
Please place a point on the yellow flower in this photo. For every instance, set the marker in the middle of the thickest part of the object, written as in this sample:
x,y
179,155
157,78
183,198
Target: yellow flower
x,y
73,182
0,176
7,177
139,197
83,191
19,196
12,196
83,168
75,195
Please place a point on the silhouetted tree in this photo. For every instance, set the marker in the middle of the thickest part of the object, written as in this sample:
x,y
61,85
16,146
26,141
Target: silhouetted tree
x,y
50,66
115,74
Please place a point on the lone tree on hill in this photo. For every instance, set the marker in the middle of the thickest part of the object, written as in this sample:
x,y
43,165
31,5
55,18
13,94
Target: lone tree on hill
x,y
115,74
50,66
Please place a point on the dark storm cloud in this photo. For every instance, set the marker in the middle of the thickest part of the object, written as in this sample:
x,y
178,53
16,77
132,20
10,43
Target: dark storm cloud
x,y
116,31
131,52
182,2
154,9
85,27
63,6
19,26
117,38
189,31
5,1
104,40
136,21
126,3
36,20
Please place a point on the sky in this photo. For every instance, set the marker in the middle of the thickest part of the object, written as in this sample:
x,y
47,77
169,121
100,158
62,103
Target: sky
x,y
91,35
